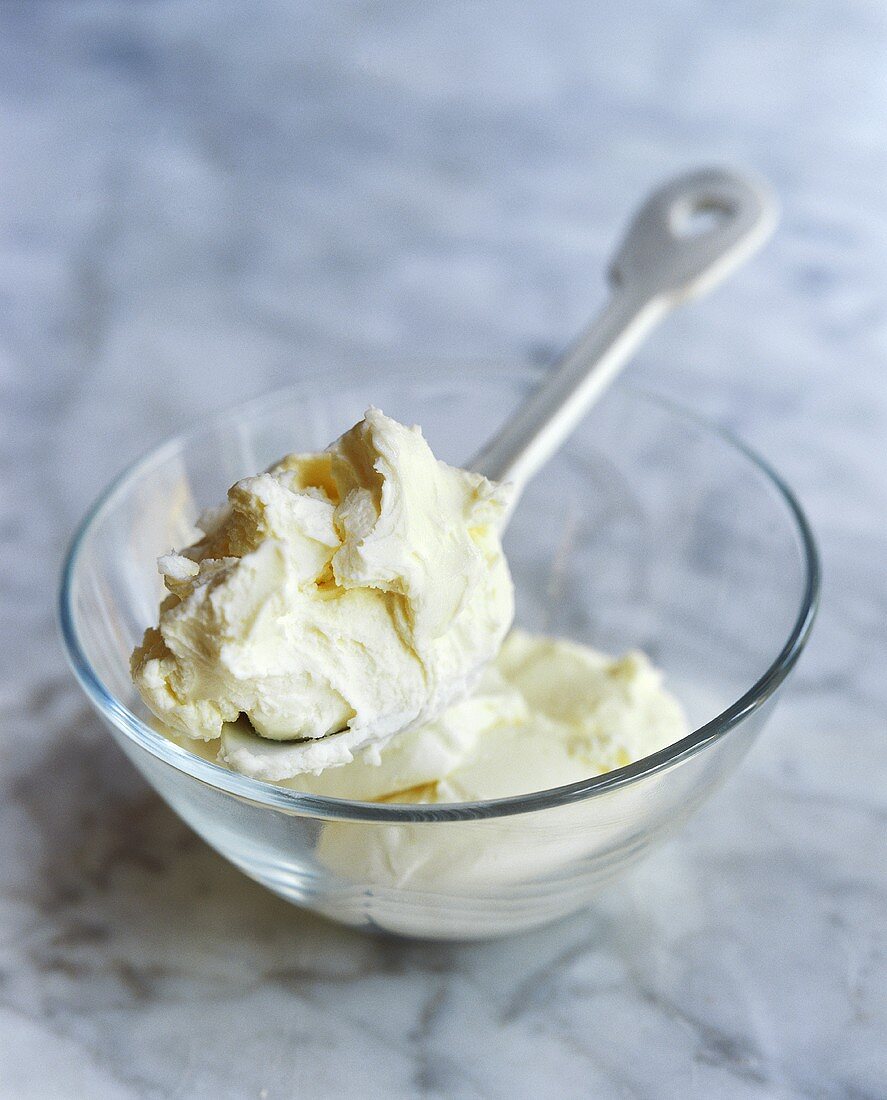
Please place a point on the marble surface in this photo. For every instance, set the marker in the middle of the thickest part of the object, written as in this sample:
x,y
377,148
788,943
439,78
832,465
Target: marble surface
x,y
198,198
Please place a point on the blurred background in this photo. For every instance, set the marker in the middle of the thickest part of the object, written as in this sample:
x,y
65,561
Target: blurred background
x,y
199,199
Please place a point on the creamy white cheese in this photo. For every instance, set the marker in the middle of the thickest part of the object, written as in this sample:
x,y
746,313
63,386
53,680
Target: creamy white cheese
x,y
548,713
352,593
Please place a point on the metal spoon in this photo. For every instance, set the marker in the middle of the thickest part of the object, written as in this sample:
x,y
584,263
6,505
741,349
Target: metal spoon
x,y
688,236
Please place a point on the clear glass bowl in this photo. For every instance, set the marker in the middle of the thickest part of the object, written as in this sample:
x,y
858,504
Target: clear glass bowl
x,y
649,529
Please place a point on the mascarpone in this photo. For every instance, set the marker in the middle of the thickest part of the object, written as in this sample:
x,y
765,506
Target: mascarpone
x,y
334,601
547,713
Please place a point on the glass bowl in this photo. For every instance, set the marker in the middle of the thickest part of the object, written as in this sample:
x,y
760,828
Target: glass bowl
x,y
649,529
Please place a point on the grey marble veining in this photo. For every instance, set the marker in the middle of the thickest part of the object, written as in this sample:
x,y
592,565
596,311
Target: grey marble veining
x,y
196,199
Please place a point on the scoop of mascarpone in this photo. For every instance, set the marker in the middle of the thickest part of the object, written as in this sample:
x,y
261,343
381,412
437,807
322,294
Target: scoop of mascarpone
x,y
547,713
353,593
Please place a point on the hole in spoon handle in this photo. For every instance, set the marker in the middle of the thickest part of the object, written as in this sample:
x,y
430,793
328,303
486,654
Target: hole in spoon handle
x,y
693,232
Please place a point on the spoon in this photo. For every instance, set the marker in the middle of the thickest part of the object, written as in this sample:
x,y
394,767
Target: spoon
x,y
687,236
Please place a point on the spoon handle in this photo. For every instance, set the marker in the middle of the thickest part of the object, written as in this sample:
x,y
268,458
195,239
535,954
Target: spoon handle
x,y
688,236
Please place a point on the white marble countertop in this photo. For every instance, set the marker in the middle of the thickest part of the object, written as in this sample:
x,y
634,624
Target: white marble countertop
x,y
197,198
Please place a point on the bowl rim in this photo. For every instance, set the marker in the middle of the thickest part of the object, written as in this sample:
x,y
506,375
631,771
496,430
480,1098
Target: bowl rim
x,y
296,803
